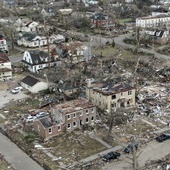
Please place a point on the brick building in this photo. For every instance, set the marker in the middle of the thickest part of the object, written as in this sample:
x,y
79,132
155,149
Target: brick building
x,y
66,117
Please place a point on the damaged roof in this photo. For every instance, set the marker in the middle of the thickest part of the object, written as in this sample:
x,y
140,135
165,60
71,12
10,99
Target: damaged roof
x,y
74,105
46,122
3,57
110,88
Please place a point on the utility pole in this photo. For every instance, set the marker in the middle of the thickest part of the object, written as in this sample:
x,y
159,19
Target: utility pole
x,y
48,43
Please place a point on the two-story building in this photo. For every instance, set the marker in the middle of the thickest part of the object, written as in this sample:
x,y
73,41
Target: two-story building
x,y
160,36
3,44
152,21
100,20
110,96
66,117
37,60
5,67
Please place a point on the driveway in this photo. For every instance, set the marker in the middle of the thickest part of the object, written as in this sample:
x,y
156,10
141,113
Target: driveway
x,y
7,96
152,151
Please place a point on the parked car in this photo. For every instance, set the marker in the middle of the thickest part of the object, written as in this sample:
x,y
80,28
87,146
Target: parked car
x,y
16,90
163,137
110,155
130,147
42,114
30,118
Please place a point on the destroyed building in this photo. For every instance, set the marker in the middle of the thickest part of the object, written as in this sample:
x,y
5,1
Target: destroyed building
x,y
109,96
66,117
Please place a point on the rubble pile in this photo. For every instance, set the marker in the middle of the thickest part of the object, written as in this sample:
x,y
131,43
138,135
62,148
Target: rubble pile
x,y
153,101
161,164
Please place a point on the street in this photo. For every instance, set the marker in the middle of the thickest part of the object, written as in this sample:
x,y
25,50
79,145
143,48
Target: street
x,y
152,151
15,156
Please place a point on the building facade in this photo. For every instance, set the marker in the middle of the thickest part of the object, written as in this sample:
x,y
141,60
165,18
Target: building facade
x,y
110,96
3,44
37,60
151,21
66,117
5,67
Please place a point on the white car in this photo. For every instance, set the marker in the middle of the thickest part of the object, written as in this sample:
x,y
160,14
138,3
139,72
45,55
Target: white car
x,y
42,114
17,90
30,118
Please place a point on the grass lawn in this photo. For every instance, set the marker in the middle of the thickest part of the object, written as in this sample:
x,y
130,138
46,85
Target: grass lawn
x,y
4,165
73,150
121,21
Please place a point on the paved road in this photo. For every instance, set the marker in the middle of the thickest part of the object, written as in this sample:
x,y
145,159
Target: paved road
x,y
152,151
15,156
119,41
6,97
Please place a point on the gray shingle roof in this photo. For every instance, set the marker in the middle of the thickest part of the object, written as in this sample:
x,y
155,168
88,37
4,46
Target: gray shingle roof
x,y
31,81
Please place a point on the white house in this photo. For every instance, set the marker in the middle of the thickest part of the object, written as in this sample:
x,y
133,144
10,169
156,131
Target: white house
x,y
37,60
5,67
152,21
33,85
3,44
25,25
48,11
83,53
31,40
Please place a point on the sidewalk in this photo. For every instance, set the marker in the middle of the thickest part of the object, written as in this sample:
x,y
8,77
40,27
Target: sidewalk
x,y
98,155
102,142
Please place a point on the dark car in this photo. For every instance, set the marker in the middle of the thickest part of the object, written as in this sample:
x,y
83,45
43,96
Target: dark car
x,y
163,137
111,155
130,147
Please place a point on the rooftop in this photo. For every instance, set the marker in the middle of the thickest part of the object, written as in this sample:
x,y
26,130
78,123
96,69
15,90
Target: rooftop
x,y
154,17
111,88
74,105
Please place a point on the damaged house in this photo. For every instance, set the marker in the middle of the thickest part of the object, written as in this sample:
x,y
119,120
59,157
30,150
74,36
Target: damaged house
x,y
66,117
76,51
158,36
5,67
108,96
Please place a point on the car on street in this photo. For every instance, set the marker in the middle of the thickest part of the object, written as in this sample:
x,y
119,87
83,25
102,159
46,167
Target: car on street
x,y
16,90
111,155
163,137
130,147
42,114
30,118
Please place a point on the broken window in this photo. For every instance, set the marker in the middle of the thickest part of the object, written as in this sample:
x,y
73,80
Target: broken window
x,y
50,130
81,113
92,118
59,128
68,117
114,105
113,97
87,111
68,126
92,110
74,115
87,120
130,92
74,124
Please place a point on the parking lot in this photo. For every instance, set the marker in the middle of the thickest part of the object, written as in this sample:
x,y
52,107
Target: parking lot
x,y
6,97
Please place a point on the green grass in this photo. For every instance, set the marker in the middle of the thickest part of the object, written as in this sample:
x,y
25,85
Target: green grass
x,y
121,21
